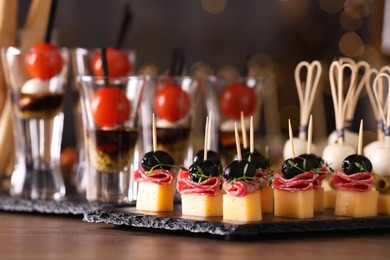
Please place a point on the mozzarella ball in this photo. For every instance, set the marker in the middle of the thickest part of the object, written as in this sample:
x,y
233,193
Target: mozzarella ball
x,y
380,160
334,154
35,86
300,147
350,138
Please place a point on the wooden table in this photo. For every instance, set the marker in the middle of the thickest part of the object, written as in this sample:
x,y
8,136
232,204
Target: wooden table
x,y
39,236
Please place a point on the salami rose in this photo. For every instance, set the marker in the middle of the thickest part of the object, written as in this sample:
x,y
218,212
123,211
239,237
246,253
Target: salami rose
x,y
185,185
360,181
158,176
300,182
240,188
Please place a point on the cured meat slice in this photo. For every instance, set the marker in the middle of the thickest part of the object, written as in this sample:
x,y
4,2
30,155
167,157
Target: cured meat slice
x,y
158,176
301,182
360,181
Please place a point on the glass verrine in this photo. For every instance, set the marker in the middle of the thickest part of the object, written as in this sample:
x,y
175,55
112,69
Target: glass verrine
x,y
111,131
173,100
86,62
37,80
227,99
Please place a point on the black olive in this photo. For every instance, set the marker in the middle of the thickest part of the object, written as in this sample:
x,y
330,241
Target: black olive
x,y
161,158
313,159
356,163
202,170
238,169
259,160
211,156
294,166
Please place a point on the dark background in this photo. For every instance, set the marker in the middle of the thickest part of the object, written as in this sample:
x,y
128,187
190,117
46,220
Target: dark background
x,y
280,33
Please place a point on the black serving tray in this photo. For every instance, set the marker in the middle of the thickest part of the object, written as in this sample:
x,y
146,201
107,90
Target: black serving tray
x,y
270,225
67,206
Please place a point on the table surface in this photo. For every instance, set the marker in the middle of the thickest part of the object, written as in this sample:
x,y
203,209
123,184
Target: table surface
x,y
39,236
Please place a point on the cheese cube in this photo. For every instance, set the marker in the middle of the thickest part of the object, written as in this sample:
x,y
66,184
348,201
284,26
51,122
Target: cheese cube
x,y
384,204
201,205
299,204
267,199
330,199
356,204
319,200
155,197
245,209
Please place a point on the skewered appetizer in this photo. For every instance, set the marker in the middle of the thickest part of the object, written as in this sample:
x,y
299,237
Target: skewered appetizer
x,y
242,200
380,157
155,182
293,187
355,196
264,176
200,186
321,170
200,189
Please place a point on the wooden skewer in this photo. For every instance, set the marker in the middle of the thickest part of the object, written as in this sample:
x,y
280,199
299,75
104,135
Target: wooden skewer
x,y
307,90
243,131
360,144
209,130
206,137
290,133
154,132
6,138
36,23
251,136
310,135
360,82
384,115
340,102
238,146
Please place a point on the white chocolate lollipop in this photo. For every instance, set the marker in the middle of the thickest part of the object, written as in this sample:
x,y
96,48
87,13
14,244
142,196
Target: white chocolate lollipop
x,y
306,94
380,158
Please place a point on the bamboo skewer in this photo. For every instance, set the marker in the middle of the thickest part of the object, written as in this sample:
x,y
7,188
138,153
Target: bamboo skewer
x,y
290,134
8,27
340,102
243,131
34,29
381,96
251,136
209,131
360,83
360,144
383,110
307,90
238,146
310,135
154,133
206,137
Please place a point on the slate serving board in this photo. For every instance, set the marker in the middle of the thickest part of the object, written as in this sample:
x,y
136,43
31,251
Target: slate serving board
x,y
270,225
67,206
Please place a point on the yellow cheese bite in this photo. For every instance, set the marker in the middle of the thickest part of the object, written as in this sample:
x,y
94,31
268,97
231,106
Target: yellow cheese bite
x,y
267,199
319,200
201,205
384,204
330,198
356,204
245,209
155,197
299,204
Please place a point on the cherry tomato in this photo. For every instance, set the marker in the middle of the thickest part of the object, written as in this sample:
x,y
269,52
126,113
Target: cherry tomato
x,y
110,107
172,103
236,98
43,61
117,62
